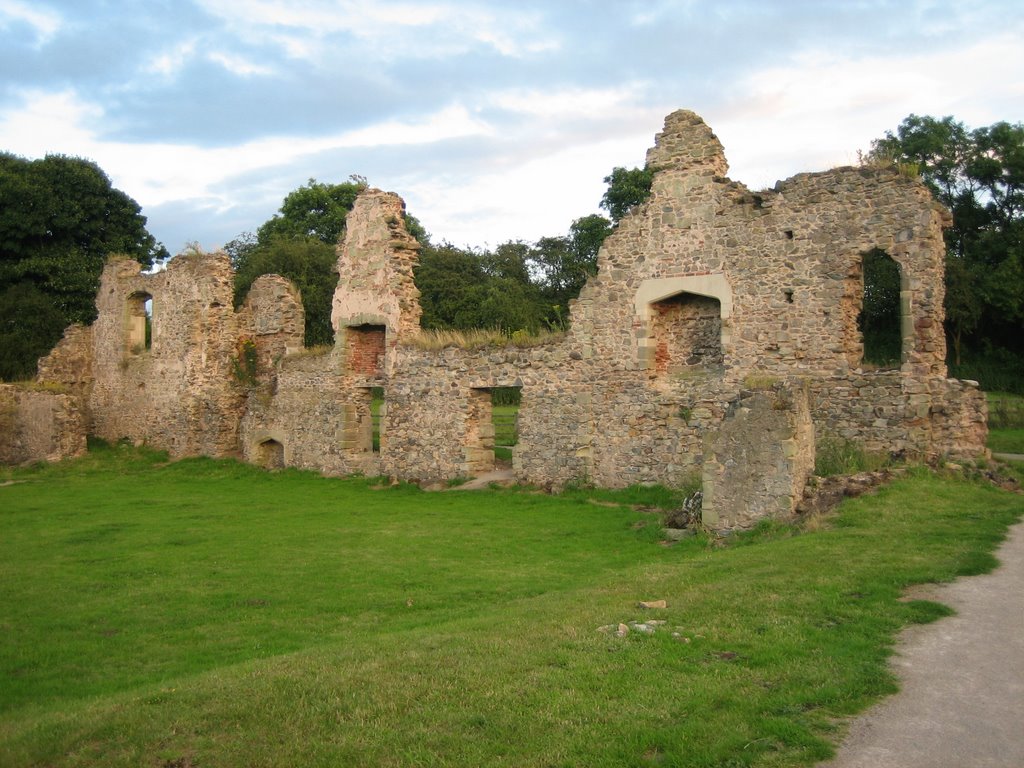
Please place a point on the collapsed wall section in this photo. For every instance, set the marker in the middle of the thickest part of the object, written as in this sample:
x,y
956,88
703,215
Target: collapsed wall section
x,y
757,461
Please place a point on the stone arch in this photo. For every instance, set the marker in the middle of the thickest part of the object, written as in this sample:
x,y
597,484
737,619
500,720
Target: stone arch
x,y
270,454
686,322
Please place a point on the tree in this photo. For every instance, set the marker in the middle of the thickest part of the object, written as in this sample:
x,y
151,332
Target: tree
x,y
298,243
464,289
563,264
626,190
60,218
307,262
30,323
314,210
979,175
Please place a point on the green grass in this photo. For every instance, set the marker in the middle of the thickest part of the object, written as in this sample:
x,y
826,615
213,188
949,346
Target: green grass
x,y
205,613
1006,422
504,419
839,456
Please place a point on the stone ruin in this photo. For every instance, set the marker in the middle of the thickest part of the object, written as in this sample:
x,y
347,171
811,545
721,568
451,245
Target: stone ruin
x,y
718,341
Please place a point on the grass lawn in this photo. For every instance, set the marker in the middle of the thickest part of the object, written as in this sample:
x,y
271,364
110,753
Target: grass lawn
x,y
205,613
1006,422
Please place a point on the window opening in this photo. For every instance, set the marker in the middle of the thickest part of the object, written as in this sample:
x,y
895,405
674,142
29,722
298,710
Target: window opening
x,y
140,323
270,454
687,333
879,322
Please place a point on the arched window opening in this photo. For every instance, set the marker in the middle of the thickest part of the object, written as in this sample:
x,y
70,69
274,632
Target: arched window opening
x,y
687,332
270,454
879,321
139,323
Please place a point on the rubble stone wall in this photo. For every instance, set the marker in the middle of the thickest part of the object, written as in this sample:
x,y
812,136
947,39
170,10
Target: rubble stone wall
x,y
39,425
717,340
757,462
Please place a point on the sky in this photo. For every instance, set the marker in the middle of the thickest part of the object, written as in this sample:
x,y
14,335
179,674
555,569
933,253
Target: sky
x,y
494,120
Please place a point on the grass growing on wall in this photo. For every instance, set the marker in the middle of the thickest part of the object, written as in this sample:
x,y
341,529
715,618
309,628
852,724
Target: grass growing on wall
x,y
203,613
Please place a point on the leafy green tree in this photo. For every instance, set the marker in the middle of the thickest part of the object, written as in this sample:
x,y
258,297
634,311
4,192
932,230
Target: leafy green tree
x,y
30,323
298,243
464,289
627,188
979,175
307,262
314,210
563,264
60,218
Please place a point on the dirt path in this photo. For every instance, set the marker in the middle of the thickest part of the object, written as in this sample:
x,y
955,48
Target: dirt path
x,y
961,701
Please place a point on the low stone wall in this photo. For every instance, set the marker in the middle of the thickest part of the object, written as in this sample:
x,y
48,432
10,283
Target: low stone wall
x,y
890,412
959,419
37,425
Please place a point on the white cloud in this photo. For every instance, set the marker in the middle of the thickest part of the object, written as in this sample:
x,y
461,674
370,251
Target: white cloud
x,y
817,111
44,21
558,104
171,60
159,173
388,30
238,64
48,123
522,200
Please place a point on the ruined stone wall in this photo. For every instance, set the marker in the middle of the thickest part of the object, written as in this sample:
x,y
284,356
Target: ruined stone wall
x,y
179,394
717,340
69,364
783,269
39,425
578,422
305,412
375,269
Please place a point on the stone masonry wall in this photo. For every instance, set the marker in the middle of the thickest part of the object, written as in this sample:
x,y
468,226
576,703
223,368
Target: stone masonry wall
x,y
39,425
717,340
181,394
757,462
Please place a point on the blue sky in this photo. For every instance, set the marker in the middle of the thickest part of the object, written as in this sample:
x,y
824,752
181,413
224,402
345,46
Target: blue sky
x,y
493,120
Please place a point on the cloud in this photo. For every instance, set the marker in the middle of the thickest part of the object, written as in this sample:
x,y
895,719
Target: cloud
x,y
384,31
44,22
495,119
158,174
822,107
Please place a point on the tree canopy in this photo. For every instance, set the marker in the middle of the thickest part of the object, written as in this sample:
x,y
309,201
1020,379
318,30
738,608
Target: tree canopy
x,y
298,243
627,188
979,175
60,218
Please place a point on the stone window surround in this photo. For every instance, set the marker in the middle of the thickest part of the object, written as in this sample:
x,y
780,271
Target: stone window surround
x,y
713,285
